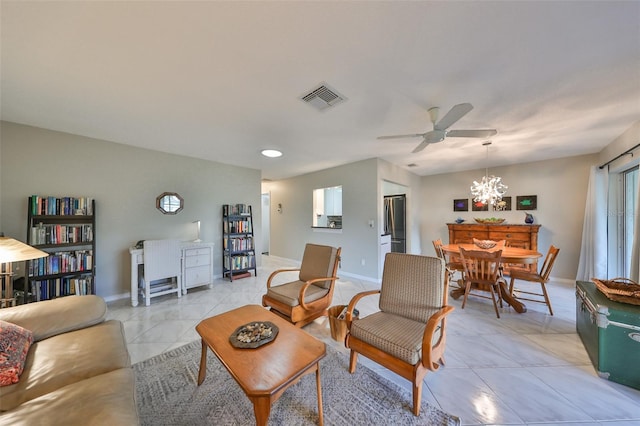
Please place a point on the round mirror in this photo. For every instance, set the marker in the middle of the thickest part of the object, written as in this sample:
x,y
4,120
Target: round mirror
x,y
169,203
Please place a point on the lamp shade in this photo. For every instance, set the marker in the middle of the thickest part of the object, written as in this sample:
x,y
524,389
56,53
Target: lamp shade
x,y
14,251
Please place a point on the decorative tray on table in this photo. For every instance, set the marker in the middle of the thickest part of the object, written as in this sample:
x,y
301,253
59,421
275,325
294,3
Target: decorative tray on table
x,y
253,334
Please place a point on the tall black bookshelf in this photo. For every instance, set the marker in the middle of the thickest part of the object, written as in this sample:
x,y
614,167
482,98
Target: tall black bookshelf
x,y
64,227
239,255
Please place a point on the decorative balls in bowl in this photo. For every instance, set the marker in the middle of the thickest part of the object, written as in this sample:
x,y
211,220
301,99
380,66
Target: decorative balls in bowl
x,y
484,244
489,220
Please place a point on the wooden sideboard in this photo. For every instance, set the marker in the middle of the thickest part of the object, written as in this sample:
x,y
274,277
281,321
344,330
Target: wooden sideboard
x,y
516,235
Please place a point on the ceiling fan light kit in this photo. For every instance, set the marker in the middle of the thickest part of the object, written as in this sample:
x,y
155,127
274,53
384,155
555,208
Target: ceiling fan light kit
x,y
440,128
490,189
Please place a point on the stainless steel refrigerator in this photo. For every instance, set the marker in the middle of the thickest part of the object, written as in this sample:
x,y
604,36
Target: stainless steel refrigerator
x,y
395,221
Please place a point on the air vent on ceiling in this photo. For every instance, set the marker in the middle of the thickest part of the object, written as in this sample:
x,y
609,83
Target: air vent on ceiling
x,y
323,97
412,165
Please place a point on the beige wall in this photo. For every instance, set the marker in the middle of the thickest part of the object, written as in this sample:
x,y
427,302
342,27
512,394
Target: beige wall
x,y
125,182
560,185
291,229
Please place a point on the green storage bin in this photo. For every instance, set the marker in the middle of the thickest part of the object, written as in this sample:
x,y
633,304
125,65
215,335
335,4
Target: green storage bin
x,y
610,331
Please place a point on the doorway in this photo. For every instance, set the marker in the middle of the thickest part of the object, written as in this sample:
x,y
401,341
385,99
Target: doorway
x,y
266,223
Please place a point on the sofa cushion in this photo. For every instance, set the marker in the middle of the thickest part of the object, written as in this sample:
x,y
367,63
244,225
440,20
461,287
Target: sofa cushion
x,y
107,399
68,358
15,342
57,316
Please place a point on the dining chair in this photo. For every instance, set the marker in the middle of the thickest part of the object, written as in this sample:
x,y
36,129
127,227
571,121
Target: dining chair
x,y
482,271
541,278
308,297
408,333
453,264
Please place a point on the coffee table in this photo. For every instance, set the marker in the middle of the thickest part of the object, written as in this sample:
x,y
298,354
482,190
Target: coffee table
x,y
263,373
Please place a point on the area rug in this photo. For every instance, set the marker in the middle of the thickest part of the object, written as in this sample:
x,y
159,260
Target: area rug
x,y
167,394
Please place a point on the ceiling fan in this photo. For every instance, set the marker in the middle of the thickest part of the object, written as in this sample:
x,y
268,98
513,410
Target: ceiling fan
x,y
440,132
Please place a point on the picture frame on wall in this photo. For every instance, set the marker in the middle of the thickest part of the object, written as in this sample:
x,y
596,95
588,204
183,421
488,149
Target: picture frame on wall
x,y
461,205
478,206
503,205
527,202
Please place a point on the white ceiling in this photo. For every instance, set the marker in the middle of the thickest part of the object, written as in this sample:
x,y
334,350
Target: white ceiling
x,y
222,80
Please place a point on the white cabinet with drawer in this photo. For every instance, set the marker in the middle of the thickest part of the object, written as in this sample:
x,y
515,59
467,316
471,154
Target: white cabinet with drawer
x,y
197,265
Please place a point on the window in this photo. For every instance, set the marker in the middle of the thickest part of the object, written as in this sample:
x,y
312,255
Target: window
x,y
327,207
629,202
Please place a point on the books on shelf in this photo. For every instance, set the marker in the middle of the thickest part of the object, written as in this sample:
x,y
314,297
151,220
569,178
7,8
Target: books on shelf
x,y
62,262
233,263
60,234
61,206
236,210
241,226
237,240
235,244
64,227
63,286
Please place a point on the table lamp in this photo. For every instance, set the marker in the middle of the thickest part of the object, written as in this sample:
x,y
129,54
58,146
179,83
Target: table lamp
x,y
197,240
13,251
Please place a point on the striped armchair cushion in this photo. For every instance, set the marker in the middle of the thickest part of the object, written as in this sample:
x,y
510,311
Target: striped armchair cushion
x,y
412,286
318,262
396,335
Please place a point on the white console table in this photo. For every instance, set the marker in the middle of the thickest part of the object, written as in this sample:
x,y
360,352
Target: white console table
x,y
197,266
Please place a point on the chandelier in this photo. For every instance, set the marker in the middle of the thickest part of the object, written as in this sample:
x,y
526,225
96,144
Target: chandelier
x,y
490,189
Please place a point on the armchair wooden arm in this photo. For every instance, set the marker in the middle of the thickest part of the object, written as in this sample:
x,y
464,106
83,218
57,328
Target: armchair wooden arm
x,y
431,353
278,271
352,304
304,288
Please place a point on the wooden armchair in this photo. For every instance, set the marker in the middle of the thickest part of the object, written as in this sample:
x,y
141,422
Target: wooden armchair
x,y
307,298
407,335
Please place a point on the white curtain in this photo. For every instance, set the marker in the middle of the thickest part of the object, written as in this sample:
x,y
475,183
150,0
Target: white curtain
x,y
635,248
593,252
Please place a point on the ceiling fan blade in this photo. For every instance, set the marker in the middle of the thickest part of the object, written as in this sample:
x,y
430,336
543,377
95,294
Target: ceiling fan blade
x,y
414,135
420,147
454,114
486,133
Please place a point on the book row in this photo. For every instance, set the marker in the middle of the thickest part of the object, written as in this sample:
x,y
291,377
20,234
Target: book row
x,y
60,234
238,227
234,263
238,244
60,206
62,262
236,209
64,286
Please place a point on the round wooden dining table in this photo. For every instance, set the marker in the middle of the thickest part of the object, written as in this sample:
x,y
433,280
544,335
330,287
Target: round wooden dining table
x,y
510,255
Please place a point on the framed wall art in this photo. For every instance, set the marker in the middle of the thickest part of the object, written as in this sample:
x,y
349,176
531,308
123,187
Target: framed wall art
x,y
527,202
479,206
461,205
503,205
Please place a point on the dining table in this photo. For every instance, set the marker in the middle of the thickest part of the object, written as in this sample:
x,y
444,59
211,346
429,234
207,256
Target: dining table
x,y
510,255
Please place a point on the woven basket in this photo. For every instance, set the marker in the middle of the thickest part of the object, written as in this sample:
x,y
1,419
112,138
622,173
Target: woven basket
x,y
620,290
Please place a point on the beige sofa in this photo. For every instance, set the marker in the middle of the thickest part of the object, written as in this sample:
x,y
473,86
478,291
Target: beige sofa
x,y
77,371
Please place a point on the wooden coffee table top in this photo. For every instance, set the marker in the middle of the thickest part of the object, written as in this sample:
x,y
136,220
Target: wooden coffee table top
x,y
267,369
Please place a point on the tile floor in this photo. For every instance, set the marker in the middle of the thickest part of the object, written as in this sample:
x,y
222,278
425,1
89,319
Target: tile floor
x,y
526,368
